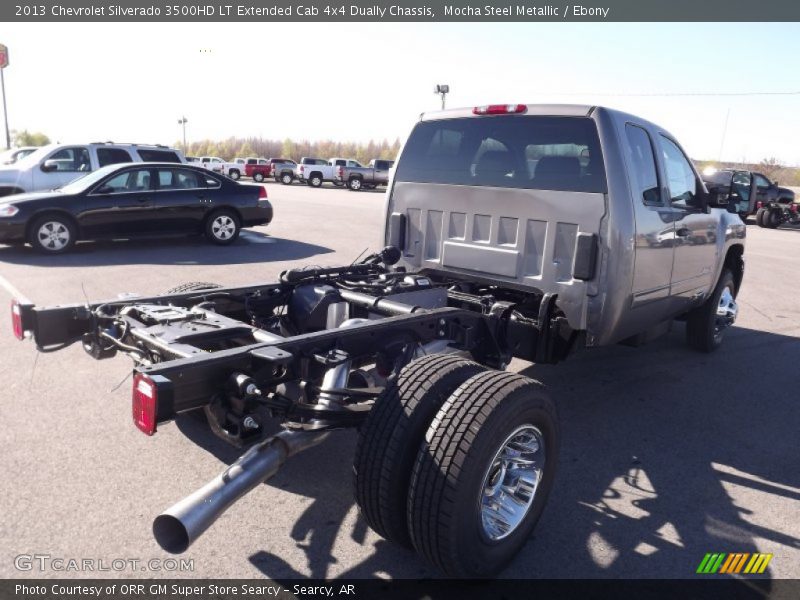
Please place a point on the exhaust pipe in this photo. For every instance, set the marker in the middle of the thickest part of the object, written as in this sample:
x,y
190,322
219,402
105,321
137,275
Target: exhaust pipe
x,y
179,526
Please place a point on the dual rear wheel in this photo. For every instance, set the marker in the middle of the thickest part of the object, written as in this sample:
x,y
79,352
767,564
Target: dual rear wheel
x,y
457,462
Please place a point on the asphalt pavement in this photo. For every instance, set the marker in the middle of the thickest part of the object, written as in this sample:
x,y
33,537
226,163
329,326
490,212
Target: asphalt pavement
x,y
667,454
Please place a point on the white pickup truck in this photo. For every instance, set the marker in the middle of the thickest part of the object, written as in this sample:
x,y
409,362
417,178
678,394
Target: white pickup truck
x,y
316,171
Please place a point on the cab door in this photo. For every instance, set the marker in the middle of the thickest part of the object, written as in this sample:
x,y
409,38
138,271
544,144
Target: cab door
x,y
696,248
655,222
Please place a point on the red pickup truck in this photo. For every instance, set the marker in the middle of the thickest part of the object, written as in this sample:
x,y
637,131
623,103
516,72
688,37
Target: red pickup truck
x,y
257,168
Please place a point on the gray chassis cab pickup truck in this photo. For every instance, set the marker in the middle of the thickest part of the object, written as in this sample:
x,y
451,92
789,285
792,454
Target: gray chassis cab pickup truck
x,y
512,231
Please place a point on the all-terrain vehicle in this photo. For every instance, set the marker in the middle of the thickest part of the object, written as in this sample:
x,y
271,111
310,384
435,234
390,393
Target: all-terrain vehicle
x,y
511,231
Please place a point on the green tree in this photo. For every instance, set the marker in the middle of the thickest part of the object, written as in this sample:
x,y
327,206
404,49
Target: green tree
x,y
27,138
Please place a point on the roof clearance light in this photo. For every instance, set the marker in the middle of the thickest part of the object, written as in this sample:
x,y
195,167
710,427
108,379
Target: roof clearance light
x,y
500,109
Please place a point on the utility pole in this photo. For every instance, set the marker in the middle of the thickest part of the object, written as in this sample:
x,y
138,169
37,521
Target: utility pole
x,y
182,121
3,65
442,90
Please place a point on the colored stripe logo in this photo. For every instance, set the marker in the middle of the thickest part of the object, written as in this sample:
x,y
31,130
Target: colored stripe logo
x,y
737,562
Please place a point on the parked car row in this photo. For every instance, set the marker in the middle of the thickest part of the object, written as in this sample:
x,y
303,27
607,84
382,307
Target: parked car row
x,y
310,170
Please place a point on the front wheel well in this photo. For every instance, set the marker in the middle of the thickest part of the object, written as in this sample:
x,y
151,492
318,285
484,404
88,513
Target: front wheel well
x,y
734,260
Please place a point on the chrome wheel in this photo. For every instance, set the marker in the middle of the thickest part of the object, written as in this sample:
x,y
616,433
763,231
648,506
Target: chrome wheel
x,y
223,227
53,235
234,175
286,179
355,184
316,182
510,483
727,309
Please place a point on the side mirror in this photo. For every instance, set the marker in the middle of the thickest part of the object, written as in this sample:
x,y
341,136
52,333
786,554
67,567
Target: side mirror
x,y
49,166
718,195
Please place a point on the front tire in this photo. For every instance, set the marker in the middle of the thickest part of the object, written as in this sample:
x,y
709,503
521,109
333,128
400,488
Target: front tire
x,y
315,181
222,227
483,475
53,234
390,438
706,324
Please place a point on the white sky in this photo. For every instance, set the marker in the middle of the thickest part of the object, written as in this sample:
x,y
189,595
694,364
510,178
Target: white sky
x,y
131,82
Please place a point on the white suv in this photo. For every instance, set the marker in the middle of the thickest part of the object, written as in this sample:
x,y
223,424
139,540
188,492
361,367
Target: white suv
x,y
52,166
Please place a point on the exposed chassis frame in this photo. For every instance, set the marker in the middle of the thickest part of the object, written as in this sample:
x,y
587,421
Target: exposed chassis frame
x,y
191,377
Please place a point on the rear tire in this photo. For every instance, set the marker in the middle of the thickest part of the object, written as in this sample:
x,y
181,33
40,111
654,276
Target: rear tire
x,y
704,326
286,179
52,234
355,184
234,174
258,177
390,438
222,227
315,181
760,216
772,218
492,448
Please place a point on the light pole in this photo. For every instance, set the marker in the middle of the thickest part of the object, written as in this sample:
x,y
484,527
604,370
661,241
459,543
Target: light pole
x,y
182,121
443,90
3,65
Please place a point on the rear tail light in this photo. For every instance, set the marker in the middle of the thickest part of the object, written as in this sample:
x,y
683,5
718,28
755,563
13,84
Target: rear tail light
x,y
262,192
500,109
16,320
340,172
301,168
144,403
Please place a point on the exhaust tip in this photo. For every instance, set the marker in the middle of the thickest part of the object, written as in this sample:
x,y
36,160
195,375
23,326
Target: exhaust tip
x,y
171,534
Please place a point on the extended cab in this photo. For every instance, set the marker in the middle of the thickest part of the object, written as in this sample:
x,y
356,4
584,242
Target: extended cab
x,y
513,231
358,178
54,165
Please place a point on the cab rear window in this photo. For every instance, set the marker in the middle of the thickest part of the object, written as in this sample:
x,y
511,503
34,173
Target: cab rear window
x,y
514,151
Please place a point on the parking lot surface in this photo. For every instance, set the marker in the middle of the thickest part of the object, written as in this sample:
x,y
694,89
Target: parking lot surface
x,y
667,454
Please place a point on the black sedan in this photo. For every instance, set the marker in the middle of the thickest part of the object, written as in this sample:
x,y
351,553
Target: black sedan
x,y
134,199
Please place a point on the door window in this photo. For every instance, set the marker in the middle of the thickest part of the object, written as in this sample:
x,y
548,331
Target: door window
x,y
129,181
644,164
178,179
112,156
158,155
740,185
71,159
681,179
762,181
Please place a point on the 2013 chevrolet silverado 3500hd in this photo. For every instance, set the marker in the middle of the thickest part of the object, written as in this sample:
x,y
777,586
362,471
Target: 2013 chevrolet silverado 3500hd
x,y
511,231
